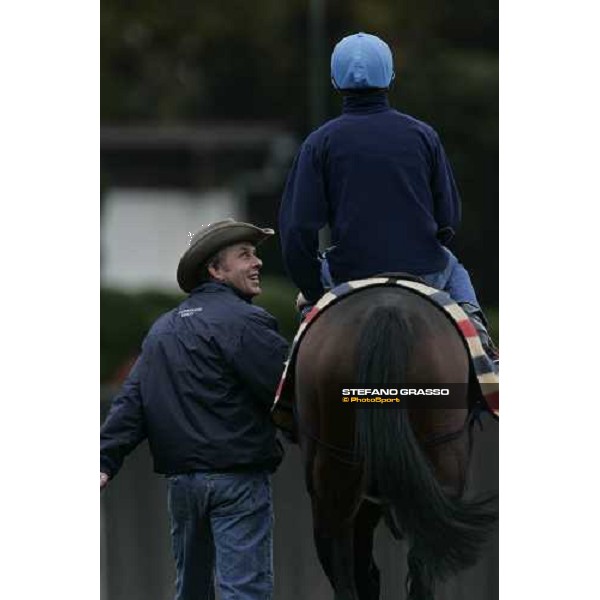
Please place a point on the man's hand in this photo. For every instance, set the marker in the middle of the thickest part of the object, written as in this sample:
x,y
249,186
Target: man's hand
x,y
303,306
103,479
301,302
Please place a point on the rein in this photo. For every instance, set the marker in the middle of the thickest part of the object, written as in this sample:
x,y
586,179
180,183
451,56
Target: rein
x,y
473,417
332,448
429,442
436,440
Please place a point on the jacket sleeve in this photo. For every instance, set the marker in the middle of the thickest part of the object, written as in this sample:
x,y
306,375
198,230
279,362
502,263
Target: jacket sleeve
x,y
302,214
124,427
258,358
446,199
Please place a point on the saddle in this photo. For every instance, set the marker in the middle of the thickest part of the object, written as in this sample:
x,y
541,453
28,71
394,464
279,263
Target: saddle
x,y
400,275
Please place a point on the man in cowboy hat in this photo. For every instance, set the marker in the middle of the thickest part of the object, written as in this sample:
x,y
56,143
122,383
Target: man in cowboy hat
x,y
381,180
200,392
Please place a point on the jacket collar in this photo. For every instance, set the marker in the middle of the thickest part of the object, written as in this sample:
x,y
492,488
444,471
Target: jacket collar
x,y
365,103
212,287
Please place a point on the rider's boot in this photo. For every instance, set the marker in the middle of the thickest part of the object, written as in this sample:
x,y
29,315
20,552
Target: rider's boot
x,y
480,322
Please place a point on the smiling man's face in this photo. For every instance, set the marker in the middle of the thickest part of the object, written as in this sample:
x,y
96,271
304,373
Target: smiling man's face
x,y
239,267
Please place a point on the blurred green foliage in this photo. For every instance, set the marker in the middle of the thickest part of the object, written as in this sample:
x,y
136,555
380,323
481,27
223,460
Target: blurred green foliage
x,y
279,298
126,318
198,59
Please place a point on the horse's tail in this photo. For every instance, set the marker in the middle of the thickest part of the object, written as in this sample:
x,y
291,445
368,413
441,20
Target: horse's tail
x,y
445,533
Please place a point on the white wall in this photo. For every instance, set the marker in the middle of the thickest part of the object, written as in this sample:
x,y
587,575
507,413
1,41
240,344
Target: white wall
x,y
145,232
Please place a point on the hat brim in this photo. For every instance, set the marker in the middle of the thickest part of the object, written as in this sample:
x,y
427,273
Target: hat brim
x,y
207,244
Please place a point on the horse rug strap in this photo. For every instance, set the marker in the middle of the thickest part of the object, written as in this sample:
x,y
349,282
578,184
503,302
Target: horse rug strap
x,y
483,368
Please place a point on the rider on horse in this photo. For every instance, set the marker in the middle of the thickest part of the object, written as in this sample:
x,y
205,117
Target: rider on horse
x,y
382,182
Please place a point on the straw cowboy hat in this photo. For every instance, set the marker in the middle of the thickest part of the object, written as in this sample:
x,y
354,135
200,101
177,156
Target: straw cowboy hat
x,y
208,241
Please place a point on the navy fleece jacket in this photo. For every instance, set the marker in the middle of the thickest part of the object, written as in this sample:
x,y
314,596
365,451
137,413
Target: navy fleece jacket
x,y
381,180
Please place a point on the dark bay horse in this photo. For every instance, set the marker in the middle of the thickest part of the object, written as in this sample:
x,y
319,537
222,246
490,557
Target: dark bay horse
x,y
405,465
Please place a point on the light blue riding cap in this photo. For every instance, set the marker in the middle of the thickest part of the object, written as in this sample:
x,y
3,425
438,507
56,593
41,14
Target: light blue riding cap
x,y
361,61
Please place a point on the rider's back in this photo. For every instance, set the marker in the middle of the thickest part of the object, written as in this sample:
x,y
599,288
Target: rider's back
x,y
389,190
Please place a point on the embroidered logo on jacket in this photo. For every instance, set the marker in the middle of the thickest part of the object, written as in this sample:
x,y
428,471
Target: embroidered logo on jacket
x,y
188,312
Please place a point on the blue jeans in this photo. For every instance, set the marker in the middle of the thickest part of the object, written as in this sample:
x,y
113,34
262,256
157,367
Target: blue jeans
x,y
222,523
454,280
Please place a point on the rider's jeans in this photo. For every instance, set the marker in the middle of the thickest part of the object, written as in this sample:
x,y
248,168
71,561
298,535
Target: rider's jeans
x,y
223,523
454,280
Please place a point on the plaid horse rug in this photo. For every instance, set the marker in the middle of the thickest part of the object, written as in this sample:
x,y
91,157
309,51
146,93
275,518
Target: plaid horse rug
x,y
488,392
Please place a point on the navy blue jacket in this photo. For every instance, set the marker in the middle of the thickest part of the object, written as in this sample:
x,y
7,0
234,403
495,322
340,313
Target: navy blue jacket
x,y
201,389
381,180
